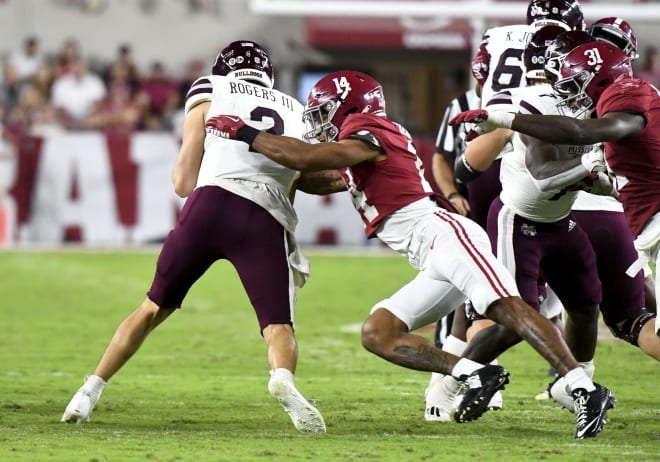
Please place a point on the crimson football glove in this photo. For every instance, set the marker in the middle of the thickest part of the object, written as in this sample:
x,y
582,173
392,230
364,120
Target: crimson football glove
x,y
486,121
232,128
480,65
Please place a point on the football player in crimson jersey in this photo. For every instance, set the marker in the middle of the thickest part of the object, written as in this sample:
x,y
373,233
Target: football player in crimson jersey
x,y
238,209
598,76
376,158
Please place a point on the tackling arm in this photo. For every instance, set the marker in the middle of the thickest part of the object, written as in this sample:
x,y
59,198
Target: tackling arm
x,y
321,183
567,130
298,155
292,152
558,129
549,169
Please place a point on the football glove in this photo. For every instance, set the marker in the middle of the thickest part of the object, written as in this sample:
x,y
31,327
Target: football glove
x,y
231,127
594,161
486,121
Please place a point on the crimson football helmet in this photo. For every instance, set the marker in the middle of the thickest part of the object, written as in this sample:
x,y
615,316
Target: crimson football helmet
x,y
245,60
563,13
336,96
617,32
587,71
534,54
559,48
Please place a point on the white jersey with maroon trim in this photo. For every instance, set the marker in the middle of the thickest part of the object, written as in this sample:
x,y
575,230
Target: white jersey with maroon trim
x,y
230,164
519,190
260,107
501,57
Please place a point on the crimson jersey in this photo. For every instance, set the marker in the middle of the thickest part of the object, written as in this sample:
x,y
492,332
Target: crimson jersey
x,y
635,160
380,188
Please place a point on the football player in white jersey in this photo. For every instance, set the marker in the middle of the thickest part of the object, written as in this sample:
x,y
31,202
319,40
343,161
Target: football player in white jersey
x,y
627,301
377,160
498,65
238,209
531,224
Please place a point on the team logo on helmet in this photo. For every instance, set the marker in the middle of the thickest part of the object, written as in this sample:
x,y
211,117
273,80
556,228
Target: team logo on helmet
x,y
245,60
586,72
335,97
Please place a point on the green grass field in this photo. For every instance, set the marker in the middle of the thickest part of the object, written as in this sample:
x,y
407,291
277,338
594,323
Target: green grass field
x,y
196,391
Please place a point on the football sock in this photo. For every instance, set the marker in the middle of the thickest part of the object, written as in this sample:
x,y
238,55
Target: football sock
x,y
454,345
465,366
283,374
578,378
588,367
94,385
436,376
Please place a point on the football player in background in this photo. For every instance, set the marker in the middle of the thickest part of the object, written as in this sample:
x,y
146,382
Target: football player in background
x,y
449,144
597,77
498,65
531,224
601,217
627,301
452,253
238,209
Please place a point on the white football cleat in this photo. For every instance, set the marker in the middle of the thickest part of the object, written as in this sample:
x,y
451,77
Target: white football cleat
x,y
305,417
80,407
440,396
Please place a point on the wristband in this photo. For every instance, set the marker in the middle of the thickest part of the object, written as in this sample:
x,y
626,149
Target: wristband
x,y
501,119
452,195
247,134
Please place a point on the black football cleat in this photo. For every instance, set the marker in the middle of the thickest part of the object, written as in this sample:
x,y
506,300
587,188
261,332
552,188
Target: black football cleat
x,y
480,386
591,410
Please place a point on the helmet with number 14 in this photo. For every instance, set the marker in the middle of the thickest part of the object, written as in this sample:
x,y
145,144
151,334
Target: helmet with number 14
x,y
336,96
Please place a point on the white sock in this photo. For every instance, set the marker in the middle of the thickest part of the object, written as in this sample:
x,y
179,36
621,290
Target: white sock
x,y
466,366
94,385
578,378
436,376
588,367
282,373
454,345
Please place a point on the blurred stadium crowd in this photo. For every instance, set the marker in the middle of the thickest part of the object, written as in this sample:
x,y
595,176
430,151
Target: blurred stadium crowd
x,y
43,93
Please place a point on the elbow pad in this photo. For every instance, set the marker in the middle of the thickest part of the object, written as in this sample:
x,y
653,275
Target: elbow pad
x,y
463,172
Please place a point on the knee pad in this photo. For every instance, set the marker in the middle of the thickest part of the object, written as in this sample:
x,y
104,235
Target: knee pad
x,y
629,328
